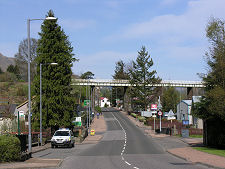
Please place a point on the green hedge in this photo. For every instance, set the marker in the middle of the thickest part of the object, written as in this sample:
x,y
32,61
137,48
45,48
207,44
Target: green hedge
x,y
9,148
134,115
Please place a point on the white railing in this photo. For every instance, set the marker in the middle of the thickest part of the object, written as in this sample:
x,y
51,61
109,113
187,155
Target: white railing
x,y
112,82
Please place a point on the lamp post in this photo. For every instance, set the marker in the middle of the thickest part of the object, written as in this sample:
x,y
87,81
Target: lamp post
x,y
29,97
41,97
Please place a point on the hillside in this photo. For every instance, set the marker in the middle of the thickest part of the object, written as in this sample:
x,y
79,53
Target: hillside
x,y
5,62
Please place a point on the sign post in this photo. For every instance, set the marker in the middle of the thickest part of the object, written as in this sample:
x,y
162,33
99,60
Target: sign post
x,y
160,114
154,108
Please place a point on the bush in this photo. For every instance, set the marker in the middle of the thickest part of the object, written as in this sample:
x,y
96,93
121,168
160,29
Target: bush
x,y
141,119
98,109
9,148
21,91
134,115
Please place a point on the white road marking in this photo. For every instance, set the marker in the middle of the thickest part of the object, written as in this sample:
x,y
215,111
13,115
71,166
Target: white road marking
x,y
127,163
125,141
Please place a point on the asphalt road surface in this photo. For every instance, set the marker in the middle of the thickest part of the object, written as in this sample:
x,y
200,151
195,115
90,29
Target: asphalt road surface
x,y
123,146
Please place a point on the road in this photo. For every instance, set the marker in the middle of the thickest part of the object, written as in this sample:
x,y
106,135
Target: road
x,y
123,146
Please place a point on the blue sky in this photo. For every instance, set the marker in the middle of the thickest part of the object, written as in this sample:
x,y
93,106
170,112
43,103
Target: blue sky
x,y
103,32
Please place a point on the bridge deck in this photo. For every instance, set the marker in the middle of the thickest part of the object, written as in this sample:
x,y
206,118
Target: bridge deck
x,y
107,82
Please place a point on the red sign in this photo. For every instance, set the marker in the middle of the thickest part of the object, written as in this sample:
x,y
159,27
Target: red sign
x,y
153,106
160,113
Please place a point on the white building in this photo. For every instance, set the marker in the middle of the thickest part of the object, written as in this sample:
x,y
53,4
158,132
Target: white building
x,y
104,101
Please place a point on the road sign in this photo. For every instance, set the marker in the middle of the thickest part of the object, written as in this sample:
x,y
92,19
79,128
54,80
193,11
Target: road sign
x,y
154,116
146,113
160,113
92,132
153,106
86,102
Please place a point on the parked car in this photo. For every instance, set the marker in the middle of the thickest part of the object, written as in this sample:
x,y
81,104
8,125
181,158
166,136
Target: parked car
x,y
63,137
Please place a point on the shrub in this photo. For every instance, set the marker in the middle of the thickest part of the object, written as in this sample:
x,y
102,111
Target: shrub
x,y
98,109
134,115
141,119
21,91
9,148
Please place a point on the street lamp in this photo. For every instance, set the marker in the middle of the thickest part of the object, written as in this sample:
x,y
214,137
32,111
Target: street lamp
x,y
41,97
29,97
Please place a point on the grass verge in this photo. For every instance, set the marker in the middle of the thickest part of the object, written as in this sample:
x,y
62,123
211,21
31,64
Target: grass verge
x,y
211,151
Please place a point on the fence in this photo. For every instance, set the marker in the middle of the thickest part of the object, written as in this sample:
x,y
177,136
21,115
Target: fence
x,y
175,127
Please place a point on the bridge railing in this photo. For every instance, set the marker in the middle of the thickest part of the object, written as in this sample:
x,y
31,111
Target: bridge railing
x,y
117,82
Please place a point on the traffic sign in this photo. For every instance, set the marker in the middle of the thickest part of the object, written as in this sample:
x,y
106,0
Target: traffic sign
x,y
86,102
160,113
153,106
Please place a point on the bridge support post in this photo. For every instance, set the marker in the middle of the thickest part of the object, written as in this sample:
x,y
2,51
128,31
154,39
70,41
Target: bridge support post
x,y
125,99
92,98
190,92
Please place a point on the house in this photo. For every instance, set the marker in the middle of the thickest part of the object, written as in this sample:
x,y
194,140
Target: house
x,y
184,111
103,101
22,109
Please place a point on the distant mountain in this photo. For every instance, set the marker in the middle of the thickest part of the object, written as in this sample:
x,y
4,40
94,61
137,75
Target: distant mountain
x,y
5,62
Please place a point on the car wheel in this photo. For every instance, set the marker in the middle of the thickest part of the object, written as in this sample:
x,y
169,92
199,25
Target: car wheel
x,y
73,145
52,146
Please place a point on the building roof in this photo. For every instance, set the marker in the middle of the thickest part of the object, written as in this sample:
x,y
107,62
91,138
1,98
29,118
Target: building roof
x,y
6,110
188,102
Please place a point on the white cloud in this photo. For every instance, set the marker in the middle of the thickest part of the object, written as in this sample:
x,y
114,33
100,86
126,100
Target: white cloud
x,y
190,24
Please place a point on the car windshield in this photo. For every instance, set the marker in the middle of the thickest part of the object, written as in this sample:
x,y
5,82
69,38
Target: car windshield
x,y
61,133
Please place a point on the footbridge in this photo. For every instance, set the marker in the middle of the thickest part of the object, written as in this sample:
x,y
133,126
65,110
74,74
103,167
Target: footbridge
x,y
126,83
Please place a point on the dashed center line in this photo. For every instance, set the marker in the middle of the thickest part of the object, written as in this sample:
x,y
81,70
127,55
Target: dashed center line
x,y
125,142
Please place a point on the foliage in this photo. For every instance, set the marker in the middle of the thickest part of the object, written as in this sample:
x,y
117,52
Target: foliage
x,y
22,58
134,115
22,91
87,75
141,119
98,109
106,92
212,105
170,99
141,77
8,77
120,73
1,70
9,148
106,105
58,105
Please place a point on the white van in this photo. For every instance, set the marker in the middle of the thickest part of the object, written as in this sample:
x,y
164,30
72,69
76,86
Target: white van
x,y
63,137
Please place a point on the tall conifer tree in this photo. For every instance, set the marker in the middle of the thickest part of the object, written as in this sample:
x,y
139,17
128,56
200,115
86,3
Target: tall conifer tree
x,y
57,101
141,77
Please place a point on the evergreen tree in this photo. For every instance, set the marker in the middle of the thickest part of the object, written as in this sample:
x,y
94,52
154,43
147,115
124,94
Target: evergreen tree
x,y
212,104
141,77
170,99
57,100
120,73
87,75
